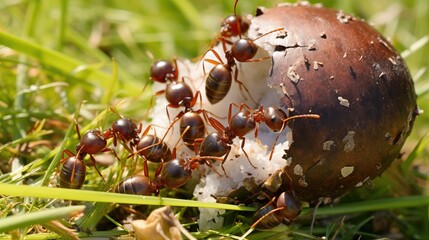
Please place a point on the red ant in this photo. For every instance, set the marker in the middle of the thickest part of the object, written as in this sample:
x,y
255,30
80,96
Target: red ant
x,y
285,209
275,119
219,79
91,142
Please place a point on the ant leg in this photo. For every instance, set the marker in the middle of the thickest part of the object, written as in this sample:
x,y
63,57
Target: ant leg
x,y
158,93
224,160
241,85
275,141
95,166
210,165
245,153
275,30
216,124
197,143
159,168
284,126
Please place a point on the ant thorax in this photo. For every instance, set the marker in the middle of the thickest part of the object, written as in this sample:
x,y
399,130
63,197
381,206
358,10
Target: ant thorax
x,y
237,167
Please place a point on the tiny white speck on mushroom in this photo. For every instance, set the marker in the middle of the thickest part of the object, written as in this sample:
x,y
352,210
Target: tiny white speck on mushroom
x,y
316,65
327,145
292,74
382,74
302,182
345,55
393,61
343,18
331,77
349,142
384,43
346,171
359,184
311,45
344,102
297,170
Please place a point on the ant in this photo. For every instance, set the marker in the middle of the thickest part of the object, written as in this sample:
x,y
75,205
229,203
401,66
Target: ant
x,y
91,142
248,119
219,79
285,209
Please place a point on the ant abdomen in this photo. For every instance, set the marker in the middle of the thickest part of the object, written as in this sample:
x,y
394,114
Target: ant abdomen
x,y
214,145
218,83
196,128
154,152
72,174
175,173
270,219
137,185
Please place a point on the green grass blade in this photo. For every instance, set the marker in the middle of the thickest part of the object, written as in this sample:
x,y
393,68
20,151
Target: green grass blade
x,y
19,221
94,196
375,205
63,62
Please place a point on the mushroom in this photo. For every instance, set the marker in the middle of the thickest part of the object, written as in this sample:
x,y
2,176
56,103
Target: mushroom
x,y
338,66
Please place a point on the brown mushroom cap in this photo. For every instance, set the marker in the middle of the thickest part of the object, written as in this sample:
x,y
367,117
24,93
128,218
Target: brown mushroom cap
x,y
339,67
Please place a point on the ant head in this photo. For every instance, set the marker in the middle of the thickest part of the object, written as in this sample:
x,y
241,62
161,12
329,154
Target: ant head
x,y
162,71
244,49
233,26
291,205
92,142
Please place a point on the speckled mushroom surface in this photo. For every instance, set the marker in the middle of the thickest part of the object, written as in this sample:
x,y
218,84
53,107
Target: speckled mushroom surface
x,y
341,68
